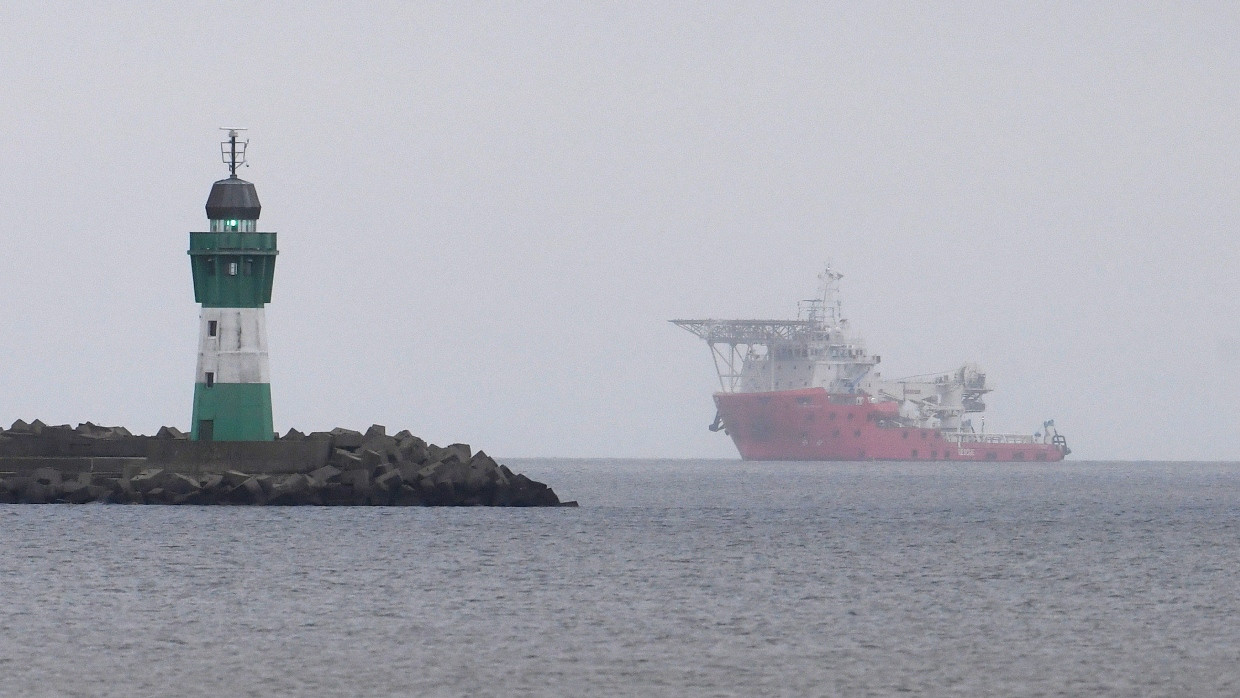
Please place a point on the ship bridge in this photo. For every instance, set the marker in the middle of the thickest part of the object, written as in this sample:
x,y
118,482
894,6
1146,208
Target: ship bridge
x,y
765,355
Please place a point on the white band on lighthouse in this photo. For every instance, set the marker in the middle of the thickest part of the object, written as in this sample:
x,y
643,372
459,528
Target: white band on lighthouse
x,y
232,346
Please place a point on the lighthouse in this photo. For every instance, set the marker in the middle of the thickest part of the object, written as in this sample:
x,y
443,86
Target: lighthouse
x,y
234,267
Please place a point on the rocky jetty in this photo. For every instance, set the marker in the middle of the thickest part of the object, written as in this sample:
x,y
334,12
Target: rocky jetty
x,y
42,464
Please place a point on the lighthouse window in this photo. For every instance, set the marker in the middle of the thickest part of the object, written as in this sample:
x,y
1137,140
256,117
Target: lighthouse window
x,y
209,263
249,267
232,225
212,328
210,379
232,268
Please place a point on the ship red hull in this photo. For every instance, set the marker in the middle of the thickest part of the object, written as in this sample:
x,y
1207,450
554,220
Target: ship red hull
x,y
811,424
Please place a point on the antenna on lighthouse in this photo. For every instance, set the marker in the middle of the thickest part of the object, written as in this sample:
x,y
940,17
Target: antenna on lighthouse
x,y
232,151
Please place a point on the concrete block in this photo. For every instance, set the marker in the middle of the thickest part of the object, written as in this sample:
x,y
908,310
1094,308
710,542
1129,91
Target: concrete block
x,y
289,483
146,480
458,452
476,477
169,433
481,459
408,496
254,491
74,491
389,481
79,495
387,446
122,492
376,430
267,482
326,474
60,435
346,460
443,494
536,494
454,471
412,450
291,490
372,459
347,438
15,483
178,484
338,494
358,479
428,472
408,472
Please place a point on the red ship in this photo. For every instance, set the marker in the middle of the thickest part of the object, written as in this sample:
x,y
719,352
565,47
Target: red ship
x,y
805,389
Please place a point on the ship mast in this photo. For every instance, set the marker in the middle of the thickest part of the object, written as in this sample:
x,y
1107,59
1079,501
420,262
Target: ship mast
x,y
825,311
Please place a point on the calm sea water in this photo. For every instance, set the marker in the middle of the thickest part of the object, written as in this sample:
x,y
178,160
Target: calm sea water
x,y
673,578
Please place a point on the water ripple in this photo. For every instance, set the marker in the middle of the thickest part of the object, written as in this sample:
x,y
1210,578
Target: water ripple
x,y
674,578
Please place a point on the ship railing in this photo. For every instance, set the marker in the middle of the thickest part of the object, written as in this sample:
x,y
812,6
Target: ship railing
x,y
972,438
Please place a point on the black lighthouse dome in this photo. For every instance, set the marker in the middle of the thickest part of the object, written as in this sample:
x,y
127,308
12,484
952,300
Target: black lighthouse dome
x,y
233,199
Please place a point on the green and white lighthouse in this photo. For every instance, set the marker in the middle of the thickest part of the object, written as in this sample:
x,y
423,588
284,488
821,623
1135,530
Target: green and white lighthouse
x,y
234,267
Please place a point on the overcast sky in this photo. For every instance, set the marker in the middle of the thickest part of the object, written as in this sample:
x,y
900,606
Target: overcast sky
x,y
488,212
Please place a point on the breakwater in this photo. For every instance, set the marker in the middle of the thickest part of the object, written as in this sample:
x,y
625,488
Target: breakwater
x,y
41,464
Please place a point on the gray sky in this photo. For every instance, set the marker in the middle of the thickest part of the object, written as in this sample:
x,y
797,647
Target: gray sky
x,y
487,212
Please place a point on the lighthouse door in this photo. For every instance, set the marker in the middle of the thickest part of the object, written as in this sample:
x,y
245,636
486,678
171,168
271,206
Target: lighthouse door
x,y
206,430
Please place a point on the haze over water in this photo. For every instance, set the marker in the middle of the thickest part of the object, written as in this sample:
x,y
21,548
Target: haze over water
x,y
673,578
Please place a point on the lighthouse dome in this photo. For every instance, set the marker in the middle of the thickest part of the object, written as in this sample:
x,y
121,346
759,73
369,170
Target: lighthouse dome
x,y
233,198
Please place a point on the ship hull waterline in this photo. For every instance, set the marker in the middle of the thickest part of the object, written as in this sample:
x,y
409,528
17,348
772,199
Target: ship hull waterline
x,y
812,425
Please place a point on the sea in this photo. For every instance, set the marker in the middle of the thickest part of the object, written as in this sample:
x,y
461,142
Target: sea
x,y
672,578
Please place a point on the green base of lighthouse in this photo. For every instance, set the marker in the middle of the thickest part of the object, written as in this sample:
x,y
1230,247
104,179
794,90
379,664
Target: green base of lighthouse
x,y
232,412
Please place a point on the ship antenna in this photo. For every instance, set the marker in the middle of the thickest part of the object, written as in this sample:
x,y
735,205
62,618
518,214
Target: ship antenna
x,y
232,151
830,290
